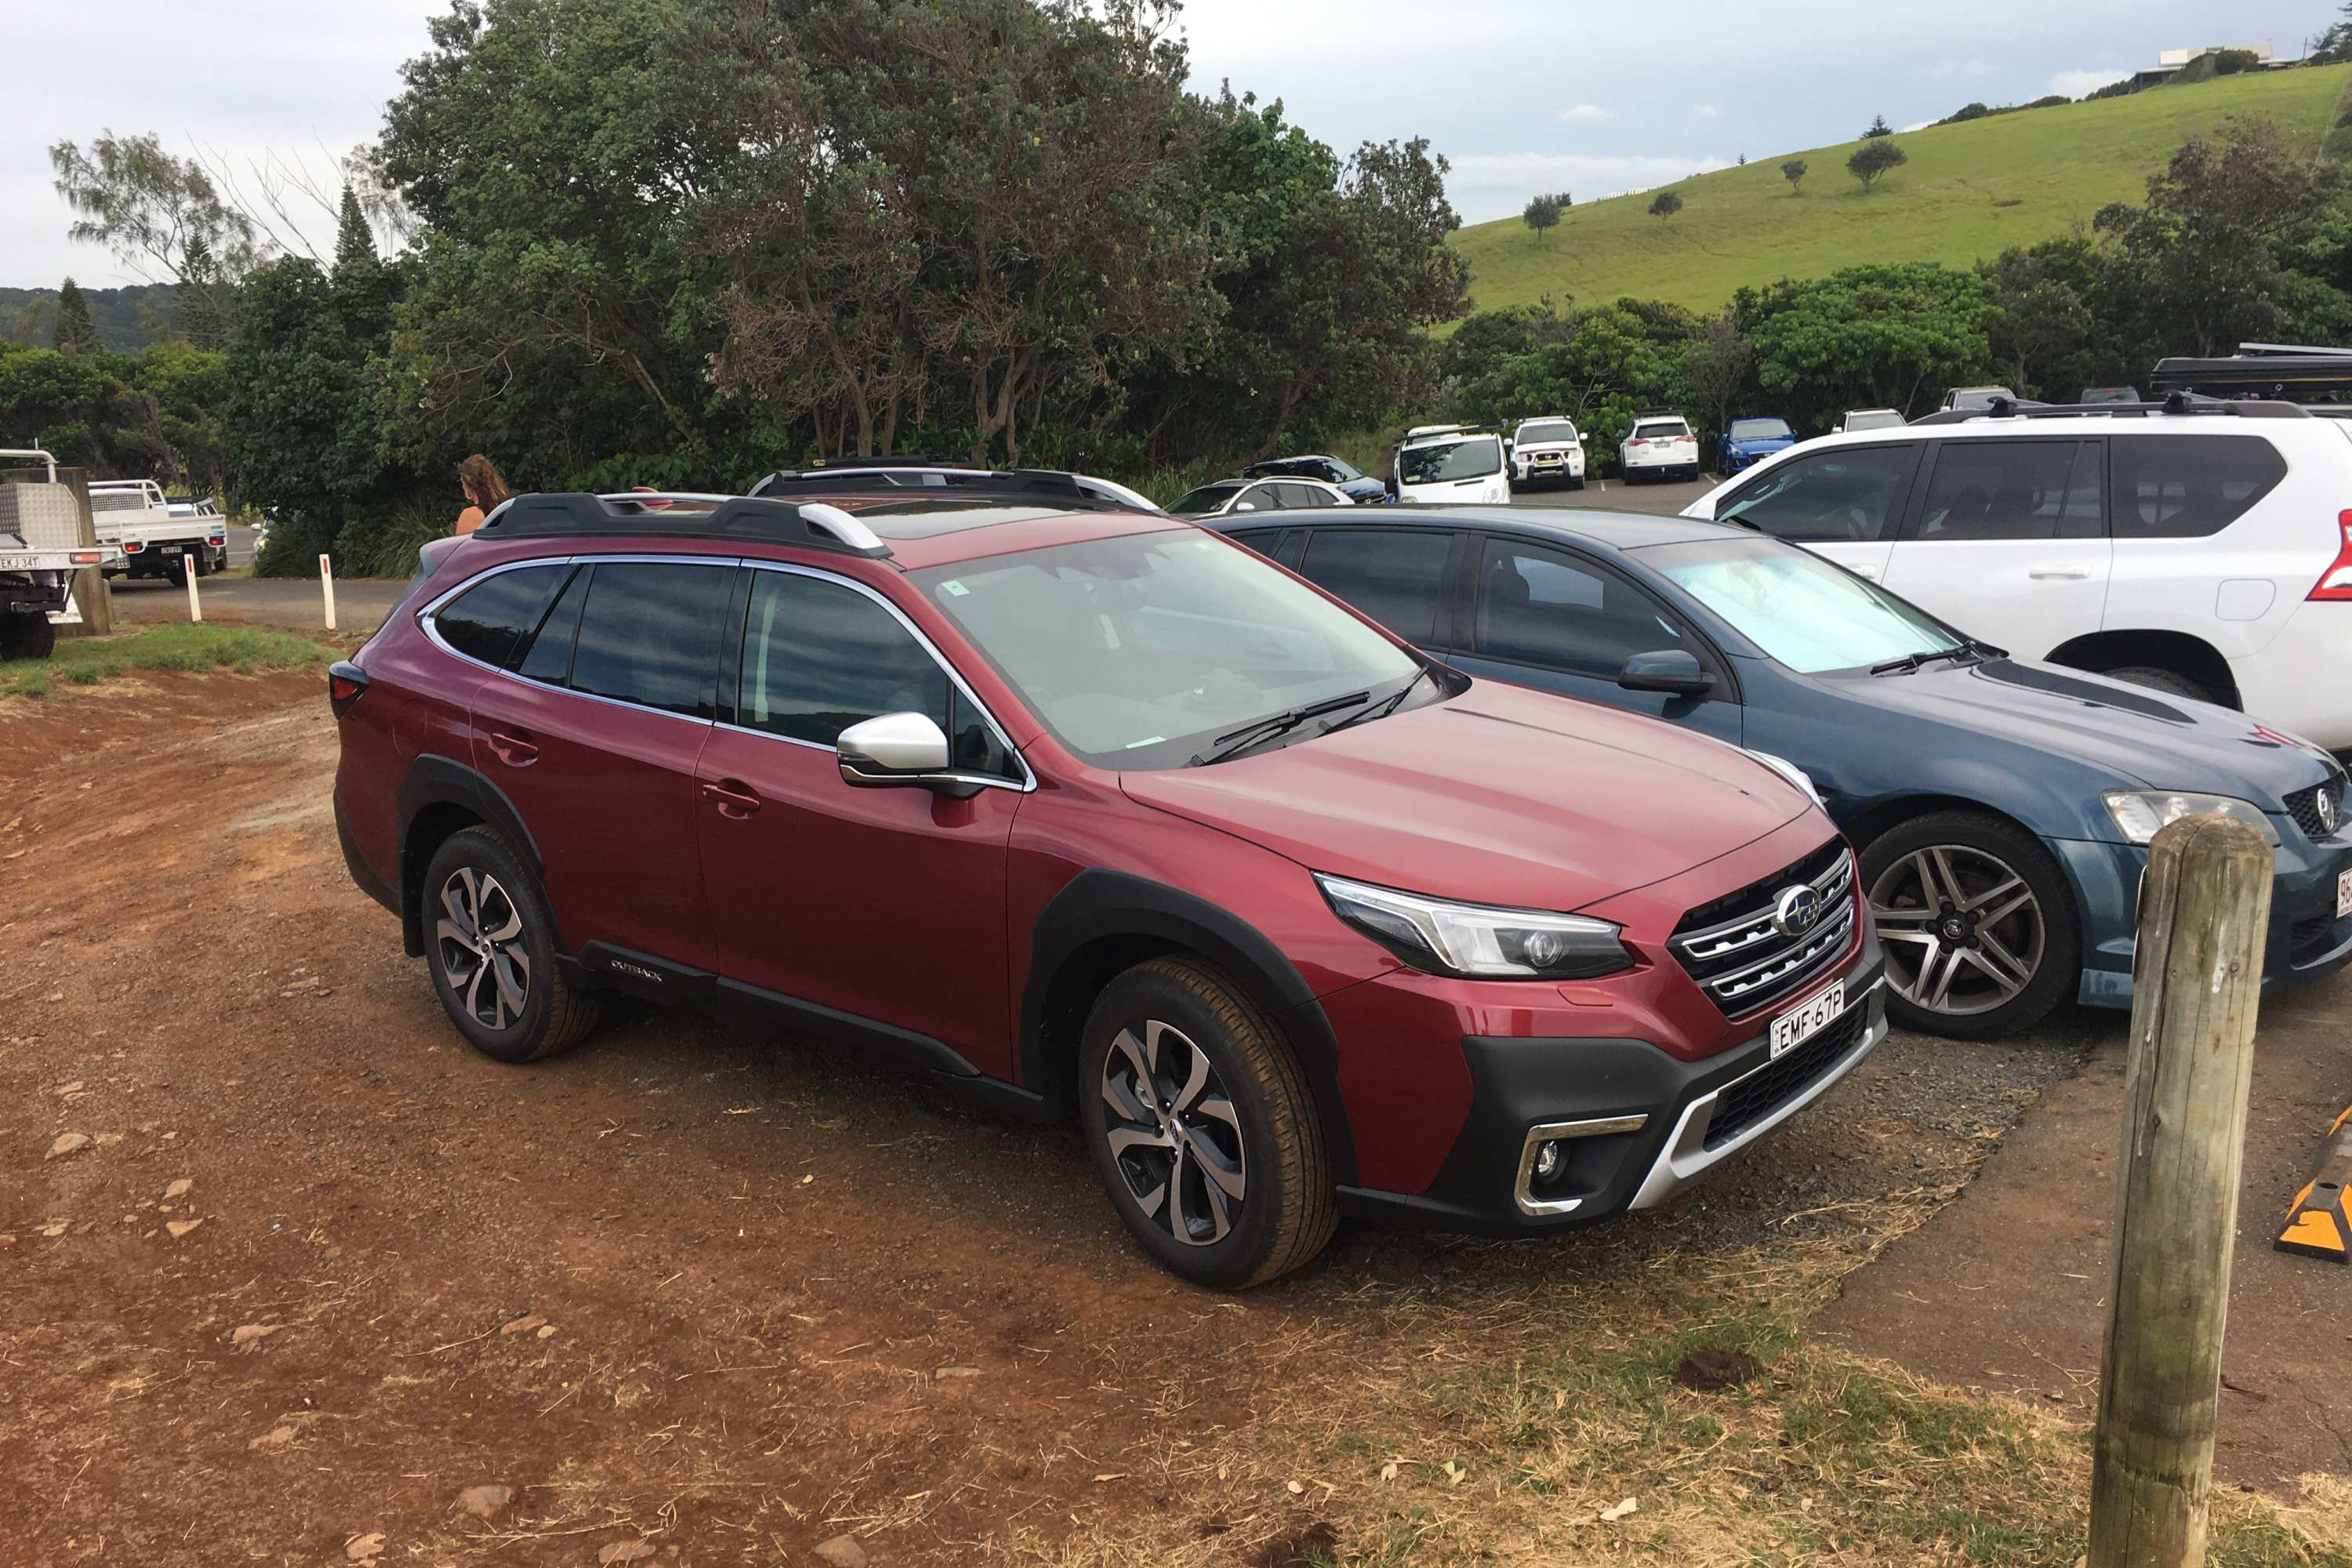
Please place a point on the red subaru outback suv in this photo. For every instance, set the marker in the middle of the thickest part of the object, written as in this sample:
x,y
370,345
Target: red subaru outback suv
x,y
1093,814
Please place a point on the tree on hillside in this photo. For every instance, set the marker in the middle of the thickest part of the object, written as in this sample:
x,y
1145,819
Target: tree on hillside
x,y
1872,159
1541,213
1718,364
1878,127
1666,205
76,332
1793,171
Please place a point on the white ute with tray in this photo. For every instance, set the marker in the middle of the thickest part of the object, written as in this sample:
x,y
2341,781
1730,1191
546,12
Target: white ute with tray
x,y
41,548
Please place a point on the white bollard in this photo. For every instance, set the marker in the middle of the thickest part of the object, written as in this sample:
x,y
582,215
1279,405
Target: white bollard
x,y
327,587
196,607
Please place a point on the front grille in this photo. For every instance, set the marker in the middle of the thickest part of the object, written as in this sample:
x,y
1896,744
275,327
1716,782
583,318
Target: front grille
x,y
2304,805
1741,960
1760,1094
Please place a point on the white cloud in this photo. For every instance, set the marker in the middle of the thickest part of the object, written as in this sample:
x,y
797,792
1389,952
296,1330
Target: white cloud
x,y
2082,83
1488,185
1584,114
1707,111
1945,69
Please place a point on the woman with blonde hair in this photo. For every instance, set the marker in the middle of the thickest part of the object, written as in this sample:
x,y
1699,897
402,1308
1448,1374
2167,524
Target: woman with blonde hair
x,y
485,491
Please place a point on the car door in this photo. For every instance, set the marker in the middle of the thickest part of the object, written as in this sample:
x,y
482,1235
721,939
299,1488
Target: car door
x,y
1845,503
1401,577
2009,539
593,735
845,906
1560,619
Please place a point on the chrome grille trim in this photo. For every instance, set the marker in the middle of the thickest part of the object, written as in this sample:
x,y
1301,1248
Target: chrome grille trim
x,y
1744,964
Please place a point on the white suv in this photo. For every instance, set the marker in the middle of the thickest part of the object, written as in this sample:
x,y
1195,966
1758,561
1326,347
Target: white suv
x,y
1661,443
2206,553
1548,449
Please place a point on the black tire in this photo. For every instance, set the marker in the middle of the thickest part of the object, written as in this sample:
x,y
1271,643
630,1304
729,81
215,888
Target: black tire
x,y
1576,483
553,1016
1267,1134
27,635
2170,682
1981,851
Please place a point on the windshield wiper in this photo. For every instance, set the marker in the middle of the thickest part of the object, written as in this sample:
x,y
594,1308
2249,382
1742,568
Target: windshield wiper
x,y
1235,742
1379,709
1911,661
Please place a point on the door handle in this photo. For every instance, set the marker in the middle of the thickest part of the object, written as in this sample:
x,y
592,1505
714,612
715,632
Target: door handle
x,y
515,751
2059,573
734,798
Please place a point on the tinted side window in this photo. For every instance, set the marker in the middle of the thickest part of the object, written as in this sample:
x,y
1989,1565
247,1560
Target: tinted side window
x,y
649,635
2012,489
1261,539
1297,495
490,620
1395,575
1266,497
2185,486
549,657
1852,494
818,658
1546,608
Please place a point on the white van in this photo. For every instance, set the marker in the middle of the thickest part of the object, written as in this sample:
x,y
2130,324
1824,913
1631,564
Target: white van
x,y
1466,468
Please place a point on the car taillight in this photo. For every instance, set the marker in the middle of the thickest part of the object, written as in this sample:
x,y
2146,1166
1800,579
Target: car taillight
x,y
2335,582
216,540
132,547
87,557
346,681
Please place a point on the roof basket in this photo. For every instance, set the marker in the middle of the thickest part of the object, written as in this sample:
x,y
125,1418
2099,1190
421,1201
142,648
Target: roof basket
x,y
2277,371
1042,486
2174,402
811,525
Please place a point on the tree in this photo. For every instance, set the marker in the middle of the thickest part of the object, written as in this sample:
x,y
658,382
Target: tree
x,y
76,332
1874,159
1793,171
365,287
202,297
1666,205
1867,337
1541,213
1718,365
149,209
2044,311
305,435
1878,127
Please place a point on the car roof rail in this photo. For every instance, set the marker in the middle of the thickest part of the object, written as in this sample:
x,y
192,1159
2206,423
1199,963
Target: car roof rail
x,y
682,515
1044,487
2175,403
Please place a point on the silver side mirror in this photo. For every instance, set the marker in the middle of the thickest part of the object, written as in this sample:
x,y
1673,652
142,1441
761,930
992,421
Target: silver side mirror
x,y
1245,506
893,748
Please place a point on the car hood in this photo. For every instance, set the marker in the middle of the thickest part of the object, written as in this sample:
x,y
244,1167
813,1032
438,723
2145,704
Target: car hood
x,y
1501,796
2126,734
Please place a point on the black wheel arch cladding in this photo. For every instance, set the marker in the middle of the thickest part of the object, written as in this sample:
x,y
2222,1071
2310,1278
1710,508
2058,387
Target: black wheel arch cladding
x,y
438,780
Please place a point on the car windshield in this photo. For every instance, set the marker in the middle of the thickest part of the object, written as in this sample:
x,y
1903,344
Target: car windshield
x,y
1800,610
1206,500
1139,652
1873,419
1440,461
1759,429
1547,430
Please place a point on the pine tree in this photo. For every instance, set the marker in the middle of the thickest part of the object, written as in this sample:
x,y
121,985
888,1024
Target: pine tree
x,y
354,241
200,296
77,334
363,285
1878,127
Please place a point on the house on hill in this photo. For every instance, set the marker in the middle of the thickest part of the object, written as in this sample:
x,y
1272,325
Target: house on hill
x,y
2170,63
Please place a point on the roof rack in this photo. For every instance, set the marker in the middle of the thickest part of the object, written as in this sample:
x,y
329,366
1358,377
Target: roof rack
x,y
2279,372
683,515
1044,487
2176,403
898,460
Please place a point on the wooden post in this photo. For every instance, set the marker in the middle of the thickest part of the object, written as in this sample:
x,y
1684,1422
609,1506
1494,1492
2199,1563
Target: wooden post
x,y
327,587
2204,911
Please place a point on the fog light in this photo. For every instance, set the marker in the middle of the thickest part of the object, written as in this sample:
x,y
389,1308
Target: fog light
x,y
1546,1164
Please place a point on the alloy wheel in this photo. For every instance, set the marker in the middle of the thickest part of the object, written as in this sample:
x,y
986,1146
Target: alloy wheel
x,y
479,935
1962,929
1175,1134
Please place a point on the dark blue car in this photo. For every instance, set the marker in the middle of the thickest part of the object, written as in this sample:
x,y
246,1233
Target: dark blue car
x,y
1352,481
2001,808
1750,439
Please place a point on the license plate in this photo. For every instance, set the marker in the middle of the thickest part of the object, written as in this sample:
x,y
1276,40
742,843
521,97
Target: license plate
x,y
171,550
16,563
1793,1028
2343,894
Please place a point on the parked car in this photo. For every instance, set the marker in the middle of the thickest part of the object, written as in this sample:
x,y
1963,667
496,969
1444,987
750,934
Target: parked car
x,y
1341,475
1749,441
1972,397
2002,806
1096,817
1548,449
2206,553
1870,419
1469,467
1257,495
155,539
1660,446
2107,395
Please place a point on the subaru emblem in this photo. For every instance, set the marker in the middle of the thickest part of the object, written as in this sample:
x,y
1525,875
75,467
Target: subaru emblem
x,y
1795,911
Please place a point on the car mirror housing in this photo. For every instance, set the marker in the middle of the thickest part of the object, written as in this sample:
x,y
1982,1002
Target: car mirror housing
x,y
1675,670
892,750
1245,506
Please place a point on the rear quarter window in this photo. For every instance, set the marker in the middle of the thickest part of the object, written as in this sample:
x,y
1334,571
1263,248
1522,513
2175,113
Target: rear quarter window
x,y
490,620
2189,486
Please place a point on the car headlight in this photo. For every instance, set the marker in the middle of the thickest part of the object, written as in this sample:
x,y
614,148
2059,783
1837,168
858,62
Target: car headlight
x,y
2141,813
1790,771
1447,938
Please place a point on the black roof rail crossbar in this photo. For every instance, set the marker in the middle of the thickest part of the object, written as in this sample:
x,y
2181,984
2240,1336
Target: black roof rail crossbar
x,y
2174,402
813,526
2273,374
897,460
1049,486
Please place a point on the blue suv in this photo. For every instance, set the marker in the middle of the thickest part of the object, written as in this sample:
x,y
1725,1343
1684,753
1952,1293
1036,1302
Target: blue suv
x,y
2001,808
1749,441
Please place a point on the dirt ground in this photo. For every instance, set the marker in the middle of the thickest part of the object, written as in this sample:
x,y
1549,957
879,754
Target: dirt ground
x,y
690,1295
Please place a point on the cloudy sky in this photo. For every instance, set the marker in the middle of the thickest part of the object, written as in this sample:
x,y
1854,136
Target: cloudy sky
x,y
1522,95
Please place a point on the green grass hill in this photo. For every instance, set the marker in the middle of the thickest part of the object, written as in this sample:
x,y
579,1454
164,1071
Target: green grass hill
x,y
1970,191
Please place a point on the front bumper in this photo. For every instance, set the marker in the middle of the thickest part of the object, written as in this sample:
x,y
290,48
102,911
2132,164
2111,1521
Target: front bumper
x,y
2306,942
1635,1125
